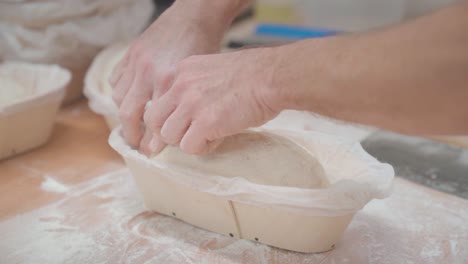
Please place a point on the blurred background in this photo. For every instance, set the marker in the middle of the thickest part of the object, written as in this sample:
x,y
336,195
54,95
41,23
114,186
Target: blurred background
x,y
337,14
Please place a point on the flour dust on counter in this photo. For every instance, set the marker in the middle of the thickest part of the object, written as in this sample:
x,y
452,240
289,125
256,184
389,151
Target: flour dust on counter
x,y
52,185
103,220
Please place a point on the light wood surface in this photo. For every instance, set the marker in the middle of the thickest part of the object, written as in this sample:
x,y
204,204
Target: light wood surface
x,y
93,213
76,152
459,141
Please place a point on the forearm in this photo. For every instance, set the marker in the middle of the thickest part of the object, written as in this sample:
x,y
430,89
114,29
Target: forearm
x,y
412,78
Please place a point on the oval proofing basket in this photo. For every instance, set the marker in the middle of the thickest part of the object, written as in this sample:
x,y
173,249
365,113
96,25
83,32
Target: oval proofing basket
x,y
298,219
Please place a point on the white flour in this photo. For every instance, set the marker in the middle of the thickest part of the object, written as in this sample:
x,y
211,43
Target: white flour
x,y
52,185
104,221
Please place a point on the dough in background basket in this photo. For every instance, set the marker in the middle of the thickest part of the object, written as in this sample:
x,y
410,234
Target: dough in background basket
x,y
72,40
11,91
30,96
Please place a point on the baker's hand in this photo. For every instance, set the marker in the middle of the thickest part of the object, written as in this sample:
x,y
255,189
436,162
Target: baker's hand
x,y
213,96
147,69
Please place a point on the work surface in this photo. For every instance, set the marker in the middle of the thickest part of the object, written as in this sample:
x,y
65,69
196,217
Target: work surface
x,y
73,201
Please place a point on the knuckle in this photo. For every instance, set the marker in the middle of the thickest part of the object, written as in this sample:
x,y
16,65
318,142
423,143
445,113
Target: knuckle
x,y
177,89
146,65
152,120
149,120
117,98
171,98
188,105
210,119
163,79
141,58
126,114
148,116
185,108
169,138
185,64
136,50
145,69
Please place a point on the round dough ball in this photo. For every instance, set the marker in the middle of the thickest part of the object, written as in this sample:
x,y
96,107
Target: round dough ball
x,y
259,157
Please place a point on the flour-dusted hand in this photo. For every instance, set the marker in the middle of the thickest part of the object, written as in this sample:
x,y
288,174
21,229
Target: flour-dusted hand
x,y
147,70
213,96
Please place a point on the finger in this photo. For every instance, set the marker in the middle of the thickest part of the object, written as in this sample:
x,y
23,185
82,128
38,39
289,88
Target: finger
x,y
130,116
163,82
151,144
153,125
195,142
132,110
123,86
212,146
119,69
144,143
158,113
156,145
175,126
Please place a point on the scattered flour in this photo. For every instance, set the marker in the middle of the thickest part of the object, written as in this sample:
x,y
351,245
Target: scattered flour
x,y
52,185
104,221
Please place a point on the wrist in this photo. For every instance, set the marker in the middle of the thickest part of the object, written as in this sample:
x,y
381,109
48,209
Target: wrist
x,y
285,80
276,72
308,74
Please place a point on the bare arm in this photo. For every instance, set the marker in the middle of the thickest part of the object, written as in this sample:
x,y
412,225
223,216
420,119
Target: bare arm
x,y
411,78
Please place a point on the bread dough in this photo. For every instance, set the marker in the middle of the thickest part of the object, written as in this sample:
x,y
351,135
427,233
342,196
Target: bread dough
x,y
259,157
11,91
108,68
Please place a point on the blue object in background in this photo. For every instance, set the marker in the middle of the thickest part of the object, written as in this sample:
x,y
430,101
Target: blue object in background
x,y
292,32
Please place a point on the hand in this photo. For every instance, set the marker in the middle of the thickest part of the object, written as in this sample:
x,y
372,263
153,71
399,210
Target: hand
x,y
213,96
147,69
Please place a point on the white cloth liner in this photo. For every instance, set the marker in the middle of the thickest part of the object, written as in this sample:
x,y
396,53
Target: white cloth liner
x,y
355,177
100,101
43,82
75,39
39,13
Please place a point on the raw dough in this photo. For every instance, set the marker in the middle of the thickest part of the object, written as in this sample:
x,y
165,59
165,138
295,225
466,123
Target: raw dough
x,y
11,91
109,67
260,157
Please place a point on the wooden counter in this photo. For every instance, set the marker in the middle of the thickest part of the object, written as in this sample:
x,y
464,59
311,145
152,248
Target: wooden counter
x,y
72,201
76,152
